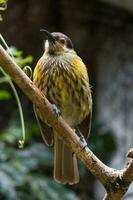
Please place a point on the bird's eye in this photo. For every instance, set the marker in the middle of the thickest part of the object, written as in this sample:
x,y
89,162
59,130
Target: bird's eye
x,y
62,41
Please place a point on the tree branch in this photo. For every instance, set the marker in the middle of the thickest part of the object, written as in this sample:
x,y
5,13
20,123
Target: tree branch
x,y
115,181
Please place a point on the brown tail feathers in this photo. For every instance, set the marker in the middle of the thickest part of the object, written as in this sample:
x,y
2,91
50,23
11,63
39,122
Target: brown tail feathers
x,y
65,163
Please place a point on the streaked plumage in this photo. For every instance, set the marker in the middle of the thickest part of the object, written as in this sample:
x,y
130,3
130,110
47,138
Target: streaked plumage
x,y
62,76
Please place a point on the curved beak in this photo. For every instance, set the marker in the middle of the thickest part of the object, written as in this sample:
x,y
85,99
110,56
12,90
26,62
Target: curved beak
x,y
48,36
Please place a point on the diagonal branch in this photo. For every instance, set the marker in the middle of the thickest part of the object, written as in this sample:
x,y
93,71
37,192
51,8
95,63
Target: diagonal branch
x,y
110,178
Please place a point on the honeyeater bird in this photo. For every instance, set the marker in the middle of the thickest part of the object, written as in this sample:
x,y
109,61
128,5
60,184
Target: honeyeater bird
x,y
62,77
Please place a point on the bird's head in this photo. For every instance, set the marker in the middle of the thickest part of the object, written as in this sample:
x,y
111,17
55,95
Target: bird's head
x,y
57,43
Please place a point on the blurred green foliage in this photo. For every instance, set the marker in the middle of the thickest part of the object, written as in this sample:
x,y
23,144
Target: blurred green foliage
x,y
12,133
21,61
4,95
19,58
23,174
2,7
102,142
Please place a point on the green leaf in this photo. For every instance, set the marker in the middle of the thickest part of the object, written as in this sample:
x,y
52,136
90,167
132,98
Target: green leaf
x,y
4,95
18,56
3,6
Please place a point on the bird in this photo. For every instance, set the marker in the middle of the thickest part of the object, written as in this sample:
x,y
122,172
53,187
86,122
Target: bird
x,y
62,77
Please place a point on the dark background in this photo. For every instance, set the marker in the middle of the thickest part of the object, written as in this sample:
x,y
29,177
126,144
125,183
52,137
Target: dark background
x,y
102,34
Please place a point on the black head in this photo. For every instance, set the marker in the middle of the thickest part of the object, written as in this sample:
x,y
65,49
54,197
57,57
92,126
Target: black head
x,y
57,42
63,39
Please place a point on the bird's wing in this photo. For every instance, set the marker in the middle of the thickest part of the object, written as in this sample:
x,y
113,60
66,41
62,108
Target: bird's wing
x,y
46,131
85,126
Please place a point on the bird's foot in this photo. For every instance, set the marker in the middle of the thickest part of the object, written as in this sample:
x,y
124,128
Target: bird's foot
x,y
83,142
56,111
